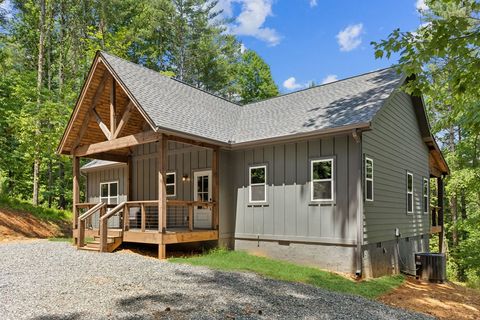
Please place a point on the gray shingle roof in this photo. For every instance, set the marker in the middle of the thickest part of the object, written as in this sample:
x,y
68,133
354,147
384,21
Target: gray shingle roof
x,y
173,105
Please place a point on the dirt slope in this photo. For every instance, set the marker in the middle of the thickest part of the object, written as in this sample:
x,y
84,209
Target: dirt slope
x,y
444,301
15,225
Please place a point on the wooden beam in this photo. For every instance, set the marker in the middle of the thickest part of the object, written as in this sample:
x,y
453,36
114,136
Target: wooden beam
x,y
124,120
192,142
110,157
440,199
86,120
113,107
215,187
129,191
162,190
83,130
76,189
102,125
119,143
162,251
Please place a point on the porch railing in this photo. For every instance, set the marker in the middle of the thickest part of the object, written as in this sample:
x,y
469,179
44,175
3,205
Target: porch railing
x,y
136,215
104,224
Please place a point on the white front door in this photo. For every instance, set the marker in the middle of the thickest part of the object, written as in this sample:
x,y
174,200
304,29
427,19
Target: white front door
x,y
202,191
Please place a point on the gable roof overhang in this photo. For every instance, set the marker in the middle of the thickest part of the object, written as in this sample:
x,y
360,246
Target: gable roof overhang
x,y
437,163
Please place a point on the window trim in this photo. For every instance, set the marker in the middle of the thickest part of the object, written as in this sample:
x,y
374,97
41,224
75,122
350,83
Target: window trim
x,y
108,183
332,179
426,197
409,192
250,167
369,179
169,184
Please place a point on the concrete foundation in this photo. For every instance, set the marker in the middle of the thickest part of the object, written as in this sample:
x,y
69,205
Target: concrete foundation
x,y
393,256
331,257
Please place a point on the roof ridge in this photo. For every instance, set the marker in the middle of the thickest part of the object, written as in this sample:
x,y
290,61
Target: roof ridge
x,y
321,85
171,78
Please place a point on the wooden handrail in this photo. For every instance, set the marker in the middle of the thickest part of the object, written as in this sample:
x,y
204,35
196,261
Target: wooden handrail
x,y
104,225
81,222
92,210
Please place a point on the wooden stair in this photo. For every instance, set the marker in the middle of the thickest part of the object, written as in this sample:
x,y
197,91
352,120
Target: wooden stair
x,y
113,242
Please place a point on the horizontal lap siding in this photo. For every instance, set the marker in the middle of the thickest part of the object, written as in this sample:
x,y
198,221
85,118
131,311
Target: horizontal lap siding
x,y
288,213
396,146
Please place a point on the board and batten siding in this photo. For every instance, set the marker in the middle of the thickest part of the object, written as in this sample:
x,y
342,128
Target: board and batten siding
x,y
183,160
289,214
95,177
396,146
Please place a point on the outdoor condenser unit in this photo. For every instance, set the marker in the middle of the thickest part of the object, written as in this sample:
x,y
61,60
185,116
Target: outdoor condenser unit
x,y
431,266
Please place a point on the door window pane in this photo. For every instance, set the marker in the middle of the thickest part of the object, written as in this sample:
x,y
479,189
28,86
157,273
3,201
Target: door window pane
x,y
104,190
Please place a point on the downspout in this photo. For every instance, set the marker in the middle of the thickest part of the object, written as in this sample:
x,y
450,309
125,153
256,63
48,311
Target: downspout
x,y
357,136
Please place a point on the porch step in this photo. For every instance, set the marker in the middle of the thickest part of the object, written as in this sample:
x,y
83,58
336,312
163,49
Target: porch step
x,y
88,248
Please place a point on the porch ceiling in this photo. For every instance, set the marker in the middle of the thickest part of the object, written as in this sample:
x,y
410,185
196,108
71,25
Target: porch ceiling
x,y
96,95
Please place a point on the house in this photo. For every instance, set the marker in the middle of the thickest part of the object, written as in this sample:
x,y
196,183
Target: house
x,y
337,175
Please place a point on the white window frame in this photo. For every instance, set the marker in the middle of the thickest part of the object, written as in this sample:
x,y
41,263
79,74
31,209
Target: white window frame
x,y
368,179
170,184
410,192
331,179
426,197
250,184
109,196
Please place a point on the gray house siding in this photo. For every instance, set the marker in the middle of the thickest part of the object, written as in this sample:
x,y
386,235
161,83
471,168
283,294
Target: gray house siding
x,y
396,146
289,215
97,176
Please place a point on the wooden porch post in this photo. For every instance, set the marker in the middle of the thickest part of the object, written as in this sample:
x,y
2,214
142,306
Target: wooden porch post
x,y
215,189
162,192
440,197
76,193
76,189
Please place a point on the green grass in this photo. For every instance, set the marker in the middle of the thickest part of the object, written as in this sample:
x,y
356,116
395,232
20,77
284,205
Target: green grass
x,y
222,259
60,239
48,214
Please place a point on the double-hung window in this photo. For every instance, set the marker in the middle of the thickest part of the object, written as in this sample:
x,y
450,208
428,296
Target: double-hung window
x,y
425,195
368,179
409,192
258,183
170,184
109,192
322,181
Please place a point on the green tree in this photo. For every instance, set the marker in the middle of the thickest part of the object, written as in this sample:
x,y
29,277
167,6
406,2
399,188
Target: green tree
x,y
255,81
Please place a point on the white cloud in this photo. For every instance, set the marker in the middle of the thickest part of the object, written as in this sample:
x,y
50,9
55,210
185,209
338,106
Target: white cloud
x,y
421,6
350,37
313,3
291,84
329,78
243,48
250,21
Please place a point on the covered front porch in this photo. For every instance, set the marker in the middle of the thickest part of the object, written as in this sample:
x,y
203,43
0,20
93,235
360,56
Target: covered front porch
x,y
148,202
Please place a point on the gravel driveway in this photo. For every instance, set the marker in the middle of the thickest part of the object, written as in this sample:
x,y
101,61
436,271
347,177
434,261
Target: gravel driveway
x,y
51,280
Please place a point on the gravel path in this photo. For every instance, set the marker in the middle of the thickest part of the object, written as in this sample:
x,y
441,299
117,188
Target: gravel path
x,y
51,280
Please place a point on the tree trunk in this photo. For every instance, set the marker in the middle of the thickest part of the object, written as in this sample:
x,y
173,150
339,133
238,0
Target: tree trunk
x,y
41,49
453,198
61,175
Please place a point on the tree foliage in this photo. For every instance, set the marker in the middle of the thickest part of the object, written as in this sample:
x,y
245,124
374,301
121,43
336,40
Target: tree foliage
x,y
442,59
185,39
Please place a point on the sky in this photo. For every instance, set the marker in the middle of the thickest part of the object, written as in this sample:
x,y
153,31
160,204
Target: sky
x,y
318,40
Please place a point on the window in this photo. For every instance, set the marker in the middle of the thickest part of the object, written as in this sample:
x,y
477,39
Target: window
x,y
109,192
321,180
409,192
368,179
170,184
425,195
258,184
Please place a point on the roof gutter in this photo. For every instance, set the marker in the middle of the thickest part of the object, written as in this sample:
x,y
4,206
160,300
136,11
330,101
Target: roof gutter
x,y
359,127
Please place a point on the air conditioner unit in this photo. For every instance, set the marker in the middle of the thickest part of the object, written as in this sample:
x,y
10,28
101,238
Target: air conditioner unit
x,y
431,266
